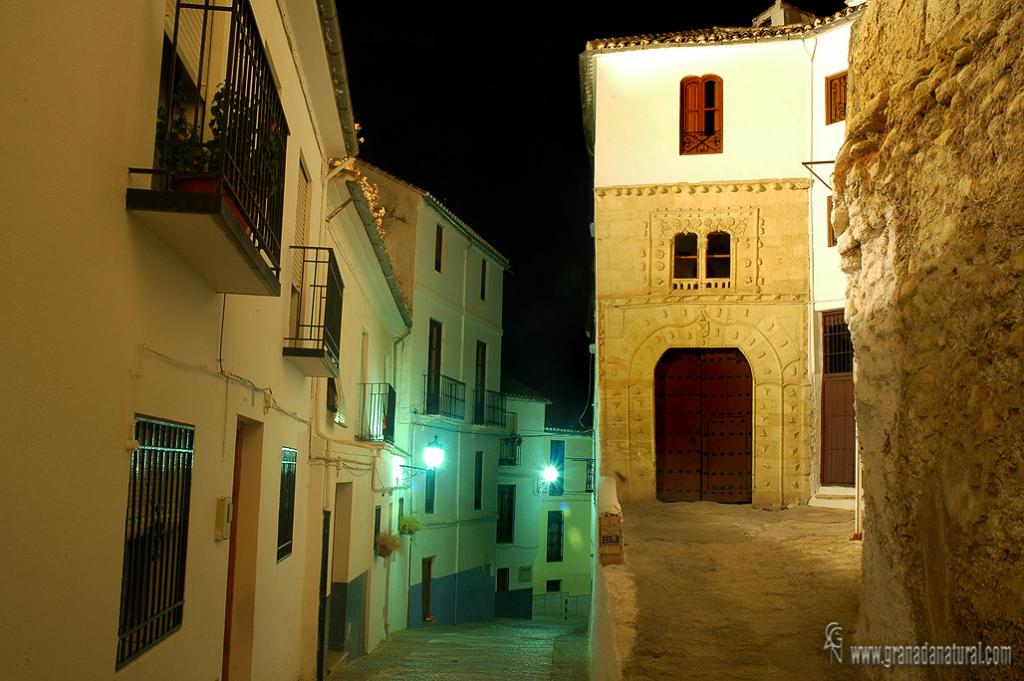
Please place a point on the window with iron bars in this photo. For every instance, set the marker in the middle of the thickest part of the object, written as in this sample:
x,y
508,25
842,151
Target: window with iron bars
x,y
286,508
837,345
155,537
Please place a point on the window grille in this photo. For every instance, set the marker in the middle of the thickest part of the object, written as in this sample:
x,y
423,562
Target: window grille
x,y
835,98
286,507
506,513
478,481
156,536
700,120
556,526
837,345
431,488
557,459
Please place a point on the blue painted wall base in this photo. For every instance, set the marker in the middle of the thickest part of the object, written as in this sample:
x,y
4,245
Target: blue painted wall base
x,y
455,599
517,604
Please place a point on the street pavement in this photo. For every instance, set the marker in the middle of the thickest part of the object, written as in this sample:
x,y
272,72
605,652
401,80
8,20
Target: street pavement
x,y
543,649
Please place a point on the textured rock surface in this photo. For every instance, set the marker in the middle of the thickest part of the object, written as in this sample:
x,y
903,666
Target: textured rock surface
x,y
932,176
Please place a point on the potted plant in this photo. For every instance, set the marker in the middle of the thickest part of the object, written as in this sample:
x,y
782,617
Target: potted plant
x,y
409,525
387,543
195,163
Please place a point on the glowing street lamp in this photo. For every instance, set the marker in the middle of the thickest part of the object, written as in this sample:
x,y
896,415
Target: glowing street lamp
x,y
549,475
433,454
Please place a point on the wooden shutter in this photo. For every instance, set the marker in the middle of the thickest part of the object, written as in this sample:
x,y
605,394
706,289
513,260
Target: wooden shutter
x,y
301,225
691,104
190,35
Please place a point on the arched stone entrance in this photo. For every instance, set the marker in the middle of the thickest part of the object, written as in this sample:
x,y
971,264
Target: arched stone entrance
x,y
703,426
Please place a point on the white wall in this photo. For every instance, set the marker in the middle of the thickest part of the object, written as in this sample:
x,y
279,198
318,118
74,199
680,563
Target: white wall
x,y
89,285
765,113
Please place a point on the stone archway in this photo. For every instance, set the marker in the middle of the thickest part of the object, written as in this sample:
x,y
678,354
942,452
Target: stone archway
x,y
703,426
771,338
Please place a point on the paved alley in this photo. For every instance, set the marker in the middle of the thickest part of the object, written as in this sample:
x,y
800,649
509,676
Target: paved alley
x,y
721,591
505,650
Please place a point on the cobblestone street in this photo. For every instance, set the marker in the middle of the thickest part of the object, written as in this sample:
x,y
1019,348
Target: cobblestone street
x,y
505,650
721,591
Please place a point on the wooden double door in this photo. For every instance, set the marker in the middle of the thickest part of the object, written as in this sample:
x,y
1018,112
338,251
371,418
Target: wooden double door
x,y
703,426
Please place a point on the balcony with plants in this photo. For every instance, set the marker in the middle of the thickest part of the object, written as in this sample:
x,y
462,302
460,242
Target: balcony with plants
x,y
215,191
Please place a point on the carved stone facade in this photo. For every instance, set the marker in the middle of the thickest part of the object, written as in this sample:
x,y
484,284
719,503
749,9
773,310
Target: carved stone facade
x,y
760,308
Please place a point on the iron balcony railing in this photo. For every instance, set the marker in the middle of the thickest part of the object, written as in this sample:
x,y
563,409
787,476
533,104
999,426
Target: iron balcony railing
x,y
512,442
318,320
377,422
444,396
229,141
488,407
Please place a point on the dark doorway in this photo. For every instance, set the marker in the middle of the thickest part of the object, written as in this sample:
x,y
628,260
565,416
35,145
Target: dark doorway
x,y
425,578
838,423
703,426
325,596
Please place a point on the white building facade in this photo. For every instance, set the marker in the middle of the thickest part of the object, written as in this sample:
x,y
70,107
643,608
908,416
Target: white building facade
x,y
224,296
451,365
713,153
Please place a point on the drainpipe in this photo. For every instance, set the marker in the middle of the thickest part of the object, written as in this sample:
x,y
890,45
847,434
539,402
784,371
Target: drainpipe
x,y
811,327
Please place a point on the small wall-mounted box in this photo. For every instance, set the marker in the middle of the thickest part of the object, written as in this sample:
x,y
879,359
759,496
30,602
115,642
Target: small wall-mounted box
x,y
225,512
610,536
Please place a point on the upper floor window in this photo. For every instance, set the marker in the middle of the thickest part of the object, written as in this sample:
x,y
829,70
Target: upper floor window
x,y
483,279
700,115
684,264
718,256
702,262
835,98
438,247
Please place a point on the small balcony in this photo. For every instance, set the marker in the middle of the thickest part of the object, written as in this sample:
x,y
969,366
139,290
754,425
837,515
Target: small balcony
x,y
444,396
512,442
377,423
316,314
215,191
489,408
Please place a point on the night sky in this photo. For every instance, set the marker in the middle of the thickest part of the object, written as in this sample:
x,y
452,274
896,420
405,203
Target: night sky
x,y
480,106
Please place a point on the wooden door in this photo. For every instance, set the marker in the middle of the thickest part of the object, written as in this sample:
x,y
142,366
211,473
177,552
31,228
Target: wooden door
x,y
726,427
838,423
703,426
232,553
838,430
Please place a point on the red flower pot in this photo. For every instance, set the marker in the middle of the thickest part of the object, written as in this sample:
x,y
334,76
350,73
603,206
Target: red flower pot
x,y
193,184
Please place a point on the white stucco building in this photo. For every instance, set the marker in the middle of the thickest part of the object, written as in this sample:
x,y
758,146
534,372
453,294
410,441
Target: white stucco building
x,y
450,366
191,322
545,545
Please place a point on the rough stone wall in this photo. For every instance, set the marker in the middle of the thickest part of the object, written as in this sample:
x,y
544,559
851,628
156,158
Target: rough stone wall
x,y
764,314
932,176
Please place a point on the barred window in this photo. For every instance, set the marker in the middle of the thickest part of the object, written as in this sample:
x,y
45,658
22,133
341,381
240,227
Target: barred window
x,y
155,536
838,347
428,496
286,508
506,514
556,526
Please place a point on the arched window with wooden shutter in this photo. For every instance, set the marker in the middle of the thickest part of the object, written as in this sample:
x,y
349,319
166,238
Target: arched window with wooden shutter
x,y
700,115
